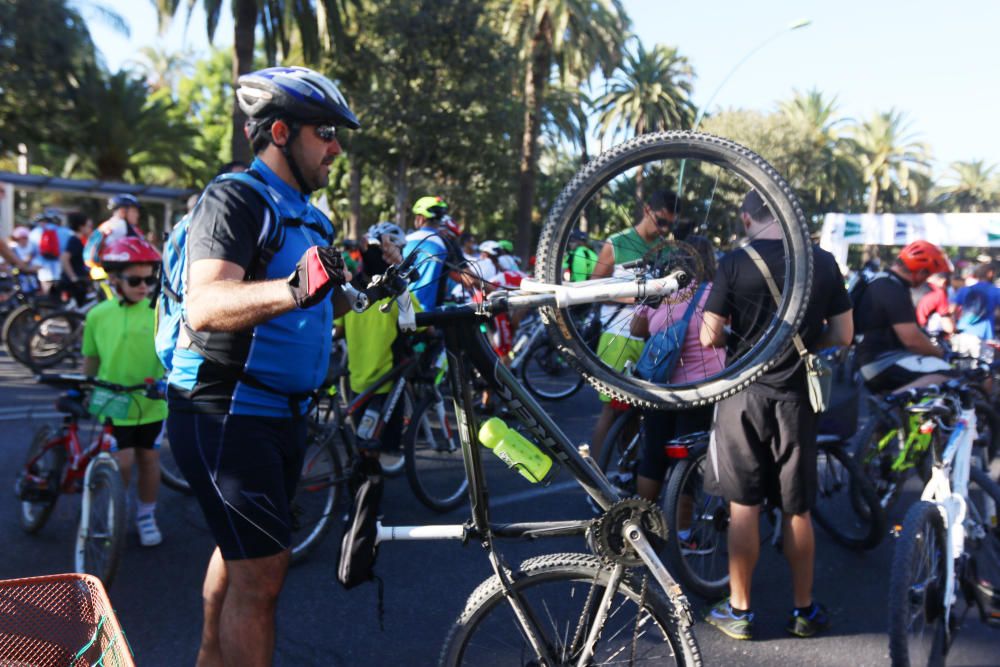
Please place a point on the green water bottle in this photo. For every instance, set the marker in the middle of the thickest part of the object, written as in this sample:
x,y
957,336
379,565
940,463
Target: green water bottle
x,y
515,450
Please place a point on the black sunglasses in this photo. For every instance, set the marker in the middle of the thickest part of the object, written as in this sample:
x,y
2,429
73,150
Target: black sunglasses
x,y
326,133
135,281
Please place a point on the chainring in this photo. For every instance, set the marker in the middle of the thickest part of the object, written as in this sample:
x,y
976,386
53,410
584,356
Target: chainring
x,y
607,533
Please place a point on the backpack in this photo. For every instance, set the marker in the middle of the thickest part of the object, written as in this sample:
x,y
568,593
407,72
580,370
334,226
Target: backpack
x,y
857,290
170,307
48,246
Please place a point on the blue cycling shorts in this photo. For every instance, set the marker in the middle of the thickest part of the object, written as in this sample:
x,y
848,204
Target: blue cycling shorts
x,y
243,470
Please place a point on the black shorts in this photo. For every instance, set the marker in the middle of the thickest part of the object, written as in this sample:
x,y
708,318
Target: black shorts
x,y
143,436
763,447
243,470
662,426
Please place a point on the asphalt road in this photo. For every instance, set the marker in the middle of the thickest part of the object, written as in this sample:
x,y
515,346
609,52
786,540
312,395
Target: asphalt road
x,y
157,591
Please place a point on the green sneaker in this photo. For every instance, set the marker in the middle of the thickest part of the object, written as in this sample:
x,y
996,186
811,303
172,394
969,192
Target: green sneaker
x,y
731,624
806,625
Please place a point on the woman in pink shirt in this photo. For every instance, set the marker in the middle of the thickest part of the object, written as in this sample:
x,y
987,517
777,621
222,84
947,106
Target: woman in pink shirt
x,y
695,363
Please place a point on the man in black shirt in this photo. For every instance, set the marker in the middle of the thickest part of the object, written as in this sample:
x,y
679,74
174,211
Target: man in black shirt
x,y
893,352
763,443
75,274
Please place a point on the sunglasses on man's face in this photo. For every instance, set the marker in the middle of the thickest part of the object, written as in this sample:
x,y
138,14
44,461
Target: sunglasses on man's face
x,y
326,133
135,281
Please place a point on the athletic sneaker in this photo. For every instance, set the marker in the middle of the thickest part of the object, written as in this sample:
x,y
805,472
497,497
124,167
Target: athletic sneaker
x,y
731,624
807,624
149,533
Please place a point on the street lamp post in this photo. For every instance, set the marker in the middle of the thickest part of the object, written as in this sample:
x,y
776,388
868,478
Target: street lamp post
x,y
794,26
802,23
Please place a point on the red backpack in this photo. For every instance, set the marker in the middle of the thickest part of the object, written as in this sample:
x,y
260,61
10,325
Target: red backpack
x,y
49,245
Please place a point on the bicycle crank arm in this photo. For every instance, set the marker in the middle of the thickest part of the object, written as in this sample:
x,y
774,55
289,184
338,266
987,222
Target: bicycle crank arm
x,y
635,537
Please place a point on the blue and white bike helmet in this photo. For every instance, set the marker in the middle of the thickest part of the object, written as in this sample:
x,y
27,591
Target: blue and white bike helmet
x,y
386,232
296,94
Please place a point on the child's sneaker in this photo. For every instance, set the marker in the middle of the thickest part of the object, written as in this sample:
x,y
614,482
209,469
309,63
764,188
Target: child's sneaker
x,y
809,623
149,533
729,622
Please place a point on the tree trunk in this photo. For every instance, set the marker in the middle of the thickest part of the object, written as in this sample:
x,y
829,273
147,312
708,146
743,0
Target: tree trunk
x,y
245,15
354,196
534,93
402,192
873,197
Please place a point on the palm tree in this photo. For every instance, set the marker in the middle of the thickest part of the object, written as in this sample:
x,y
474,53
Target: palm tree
x,y
888,154
575,35
316,24
162,68
126,130
972,187
829,174
651,91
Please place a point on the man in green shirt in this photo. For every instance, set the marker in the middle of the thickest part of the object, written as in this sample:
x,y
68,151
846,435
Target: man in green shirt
x,y
617,346
118,347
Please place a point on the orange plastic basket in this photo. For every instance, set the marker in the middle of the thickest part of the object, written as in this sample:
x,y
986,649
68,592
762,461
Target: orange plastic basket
x,y
62,619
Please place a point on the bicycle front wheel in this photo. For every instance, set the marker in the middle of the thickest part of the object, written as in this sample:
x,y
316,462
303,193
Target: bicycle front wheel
x,y
47,463
840,486
917,634
548,375
711,176
697,546
170,473
100,538
561,593
434,463
17,329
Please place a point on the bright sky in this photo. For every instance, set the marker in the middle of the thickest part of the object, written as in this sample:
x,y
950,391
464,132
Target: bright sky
x,y
935,61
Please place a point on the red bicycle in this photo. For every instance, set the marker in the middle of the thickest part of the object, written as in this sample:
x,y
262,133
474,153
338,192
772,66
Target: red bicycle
x,y
58,462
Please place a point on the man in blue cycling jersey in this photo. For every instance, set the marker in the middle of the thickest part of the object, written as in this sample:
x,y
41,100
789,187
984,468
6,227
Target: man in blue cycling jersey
x,y
439,256
255,342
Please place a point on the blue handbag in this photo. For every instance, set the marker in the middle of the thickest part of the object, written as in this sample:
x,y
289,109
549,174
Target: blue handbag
x,y
663,349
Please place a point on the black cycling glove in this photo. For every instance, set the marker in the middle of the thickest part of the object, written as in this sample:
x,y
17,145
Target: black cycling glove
x,y
317,271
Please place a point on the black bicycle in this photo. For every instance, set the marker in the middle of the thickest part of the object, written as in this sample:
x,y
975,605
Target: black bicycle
x,y
617,604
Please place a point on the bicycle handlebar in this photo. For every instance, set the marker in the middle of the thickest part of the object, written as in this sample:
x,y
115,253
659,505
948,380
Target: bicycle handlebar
x,y
77,380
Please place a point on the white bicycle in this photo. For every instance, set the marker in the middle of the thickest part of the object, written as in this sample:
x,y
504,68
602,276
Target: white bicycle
x,y
949,540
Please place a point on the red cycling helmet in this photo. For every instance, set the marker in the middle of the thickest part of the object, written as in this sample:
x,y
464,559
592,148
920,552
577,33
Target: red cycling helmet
x,y
923,255
127,251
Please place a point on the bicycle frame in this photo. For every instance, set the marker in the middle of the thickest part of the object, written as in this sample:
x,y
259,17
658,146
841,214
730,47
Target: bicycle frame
x,y
78,459
947,489
468,349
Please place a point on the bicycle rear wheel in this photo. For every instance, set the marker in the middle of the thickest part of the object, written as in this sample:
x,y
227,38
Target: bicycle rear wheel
x,y
917,633
54,338
840,485
434,462
711,176
318,493
100,543
561,592
37,504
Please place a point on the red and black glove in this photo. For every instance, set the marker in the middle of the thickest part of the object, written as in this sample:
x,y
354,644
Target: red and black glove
x,y
317,271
